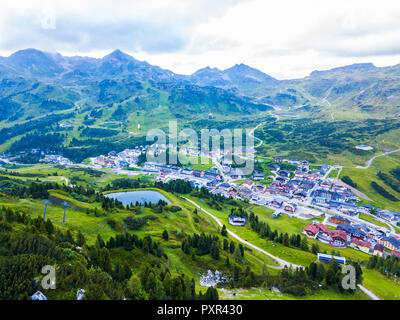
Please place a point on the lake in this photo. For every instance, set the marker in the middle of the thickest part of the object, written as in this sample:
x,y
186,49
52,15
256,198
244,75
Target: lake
x,y
129,197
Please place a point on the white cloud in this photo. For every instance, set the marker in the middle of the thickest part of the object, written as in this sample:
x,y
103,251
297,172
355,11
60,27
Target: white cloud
x,y
286,38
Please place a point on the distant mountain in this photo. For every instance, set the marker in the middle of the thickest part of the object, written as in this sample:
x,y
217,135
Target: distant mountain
x,y
240,78
350,68
30,78
33,83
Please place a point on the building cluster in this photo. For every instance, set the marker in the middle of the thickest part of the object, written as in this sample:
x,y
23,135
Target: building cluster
x,y
56,159
120,160
357,236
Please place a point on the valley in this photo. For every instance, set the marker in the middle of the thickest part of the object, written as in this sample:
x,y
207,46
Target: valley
x,y
326,181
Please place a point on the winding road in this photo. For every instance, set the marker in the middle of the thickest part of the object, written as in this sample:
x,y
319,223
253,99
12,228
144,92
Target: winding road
x,y
282,263
369,162
251,134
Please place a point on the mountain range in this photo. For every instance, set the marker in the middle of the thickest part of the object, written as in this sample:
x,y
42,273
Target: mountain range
x,y
120,88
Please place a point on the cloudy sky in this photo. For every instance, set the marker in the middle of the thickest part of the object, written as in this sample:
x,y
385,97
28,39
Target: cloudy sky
x,y
284,38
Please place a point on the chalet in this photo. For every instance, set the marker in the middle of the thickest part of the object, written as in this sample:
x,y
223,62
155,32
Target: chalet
x,y
304,163
284,173
358,244
300,195
294,161
290,207
339,220
378,250
244,192
259,187
211,175
339,239
236,173
258,176
325,184
308,184
225,185
390,243
248,184
296,182
345,207
299,175
339,188
233,193
285,193
281,179
276,203
237,221
313,177
324,234
311,230
186,171
272,189
212,183
279,159
198,173
288,187
274,168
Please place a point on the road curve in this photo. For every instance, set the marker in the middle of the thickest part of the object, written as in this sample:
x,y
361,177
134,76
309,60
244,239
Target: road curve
x,y
369,162
280,261
251,133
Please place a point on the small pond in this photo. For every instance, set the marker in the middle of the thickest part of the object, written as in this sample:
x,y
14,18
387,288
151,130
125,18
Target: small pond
x,y
140,196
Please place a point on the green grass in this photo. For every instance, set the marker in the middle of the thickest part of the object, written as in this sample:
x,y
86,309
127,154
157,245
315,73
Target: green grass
x,y
382,286
266,294
373,220
363,178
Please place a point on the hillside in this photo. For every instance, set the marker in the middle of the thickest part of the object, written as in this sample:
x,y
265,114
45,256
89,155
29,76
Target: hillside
x,y
110,103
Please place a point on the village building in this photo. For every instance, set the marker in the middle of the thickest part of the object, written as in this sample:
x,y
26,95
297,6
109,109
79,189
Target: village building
x,y
358,244
248,184
390,243
311,230
339,220
284,173
258,176
378,250
276,203
237,221
322,257
290,207
339,239
274,168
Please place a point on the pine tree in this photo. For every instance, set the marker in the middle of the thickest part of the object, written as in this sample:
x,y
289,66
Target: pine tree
x,y
237,255
224,232
80,241
165,235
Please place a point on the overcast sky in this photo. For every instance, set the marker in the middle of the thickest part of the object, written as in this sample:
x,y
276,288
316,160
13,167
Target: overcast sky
x,y
283,38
